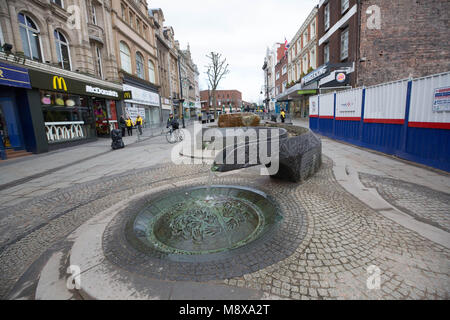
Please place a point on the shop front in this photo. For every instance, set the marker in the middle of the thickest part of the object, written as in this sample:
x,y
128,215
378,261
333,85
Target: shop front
x,y
144,102
328,77
73,111
166,109
14,110
186,110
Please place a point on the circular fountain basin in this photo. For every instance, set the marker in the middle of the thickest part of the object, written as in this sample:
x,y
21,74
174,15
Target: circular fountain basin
x,y
204,220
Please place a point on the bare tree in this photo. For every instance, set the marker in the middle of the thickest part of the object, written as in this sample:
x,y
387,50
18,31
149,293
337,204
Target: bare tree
x,y
216,71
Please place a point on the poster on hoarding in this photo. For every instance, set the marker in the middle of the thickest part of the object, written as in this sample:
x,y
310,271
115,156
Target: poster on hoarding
x,y
441,99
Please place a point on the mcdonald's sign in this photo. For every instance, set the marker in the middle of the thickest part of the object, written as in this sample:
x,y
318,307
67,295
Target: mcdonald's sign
x,y
127,95
56,82
59,83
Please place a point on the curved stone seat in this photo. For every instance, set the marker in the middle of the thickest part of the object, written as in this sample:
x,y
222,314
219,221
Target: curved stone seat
x,y
300,153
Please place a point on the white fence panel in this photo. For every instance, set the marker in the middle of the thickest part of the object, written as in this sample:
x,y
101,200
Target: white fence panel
x,y
348,104
386,102
430,99
314,106
326,105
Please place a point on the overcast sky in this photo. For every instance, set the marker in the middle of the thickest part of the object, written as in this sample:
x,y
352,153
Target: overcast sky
x,y
240,30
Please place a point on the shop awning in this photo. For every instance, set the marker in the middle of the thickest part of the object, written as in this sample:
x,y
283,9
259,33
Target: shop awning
x,y
296,92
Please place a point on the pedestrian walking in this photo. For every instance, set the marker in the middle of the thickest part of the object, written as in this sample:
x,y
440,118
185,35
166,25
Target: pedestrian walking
x,y
139,123
130,125
283,115
122,125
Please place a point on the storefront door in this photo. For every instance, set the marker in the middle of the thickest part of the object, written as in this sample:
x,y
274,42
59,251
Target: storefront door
x,y
101,117
10,128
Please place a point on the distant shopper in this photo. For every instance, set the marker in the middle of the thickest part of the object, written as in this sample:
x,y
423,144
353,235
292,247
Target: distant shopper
x,y
139,123
130,125
122,125
283,116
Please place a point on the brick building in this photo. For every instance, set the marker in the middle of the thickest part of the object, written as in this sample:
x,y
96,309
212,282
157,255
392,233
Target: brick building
x,y
281,74
367,42
338,41
413,40
226,99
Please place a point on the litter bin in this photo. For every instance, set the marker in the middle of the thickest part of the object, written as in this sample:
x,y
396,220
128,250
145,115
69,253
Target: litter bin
x,y
116,137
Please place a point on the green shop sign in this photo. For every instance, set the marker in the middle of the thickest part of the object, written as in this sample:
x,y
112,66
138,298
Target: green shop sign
x,y
63,84
302,92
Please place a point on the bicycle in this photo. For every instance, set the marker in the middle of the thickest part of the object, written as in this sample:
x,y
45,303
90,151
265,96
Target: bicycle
x,y
174,136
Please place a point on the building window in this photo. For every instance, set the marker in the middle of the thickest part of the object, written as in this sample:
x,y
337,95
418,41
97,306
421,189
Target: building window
x,y
151,72
305,64
344,5
284,70
305,38
312,55
313,29
284,86
131,19
278,75
94,14
145,31
138,26
125,16
99,62
140,66
59,3
31,41
125,57
2,40
326,53
326,16
62,51
344,44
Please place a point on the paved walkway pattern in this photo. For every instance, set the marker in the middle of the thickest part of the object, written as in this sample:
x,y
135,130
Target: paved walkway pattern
x,y
425,204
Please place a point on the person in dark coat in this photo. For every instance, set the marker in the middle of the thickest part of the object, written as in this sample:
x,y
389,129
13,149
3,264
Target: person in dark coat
x,y
122,125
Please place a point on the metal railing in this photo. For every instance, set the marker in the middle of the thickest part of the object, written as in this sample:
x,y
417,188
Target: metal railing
x,y
65,131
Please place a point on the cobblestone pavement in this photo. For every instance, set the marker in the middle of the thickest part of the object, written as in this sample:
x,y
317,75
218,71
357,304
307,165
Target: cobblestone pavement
x,y
430,206
344,237
29,228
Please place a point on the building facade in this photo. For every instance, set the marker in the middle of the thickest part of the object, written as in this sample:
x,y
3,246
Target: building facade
x,y
302,59
189,85
269,89
338,45
136,49
167,65
59,75
302,54
227,100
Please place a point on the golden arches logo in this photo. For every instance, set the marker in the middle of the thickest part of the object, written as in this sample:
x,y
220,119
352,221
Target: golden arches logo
x,y
127,95
59,83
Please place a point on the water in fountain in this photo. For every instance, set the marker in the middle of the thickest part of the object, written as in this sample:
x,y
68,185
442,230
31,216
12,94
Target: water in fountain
x,y
212,175
185,222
